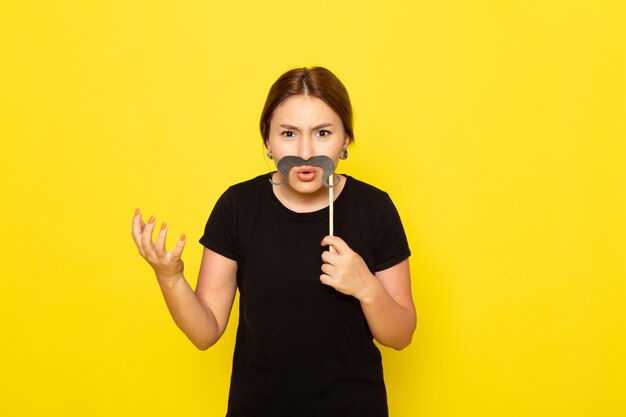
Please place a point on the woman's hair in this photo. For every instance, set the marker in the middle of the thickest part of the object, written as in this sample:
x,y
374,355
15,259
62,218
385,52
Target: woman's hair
x,y
316,82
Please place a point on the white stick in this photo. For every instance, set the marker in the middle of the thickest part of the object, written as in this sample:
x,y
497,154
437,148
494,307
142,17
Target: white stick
x,y
331,216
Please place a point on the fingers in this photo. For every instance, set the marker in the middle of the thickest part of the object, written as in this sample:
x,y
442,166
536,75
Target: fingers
x,y
337,243
137,229
328,269
142,235
159,245
330,257
327,280
146,239
340,247
178,249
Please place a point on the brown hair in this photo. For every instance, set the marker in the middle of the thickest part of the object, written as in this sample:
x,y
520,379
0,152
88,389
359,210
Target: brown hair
x,y
316,82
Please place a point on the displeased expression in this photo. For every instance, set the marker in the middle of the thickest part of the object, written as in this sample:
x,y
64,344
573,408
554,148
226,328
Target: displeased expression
x,y
305,126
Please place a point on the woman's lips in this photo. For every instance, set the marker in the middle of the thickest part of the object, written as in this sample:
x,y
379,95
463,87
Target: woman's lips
x,y
306,174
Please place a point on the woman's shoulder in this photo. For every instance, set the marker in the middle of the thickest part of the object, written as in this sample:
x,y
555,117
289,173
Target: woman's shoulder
x,y
365,197
245,193
363,189
259,182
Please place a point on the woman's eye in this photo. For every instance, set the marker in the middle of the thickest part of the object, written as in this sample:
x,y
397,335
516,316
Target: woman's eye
x,y
288,134
323,133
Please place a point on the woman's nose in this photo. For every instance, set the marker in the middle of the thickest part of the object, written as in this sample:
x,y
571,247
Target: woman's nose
x,y
305,150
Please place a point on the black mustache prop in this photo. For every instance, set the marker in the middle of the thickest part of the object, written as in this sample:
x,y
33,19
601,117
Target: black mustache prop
x,y
288,162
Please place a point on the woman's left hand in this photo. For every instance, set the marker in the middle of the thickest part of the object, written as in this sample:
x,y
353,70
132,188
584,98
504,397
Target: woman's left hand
x,y
385,297
345,270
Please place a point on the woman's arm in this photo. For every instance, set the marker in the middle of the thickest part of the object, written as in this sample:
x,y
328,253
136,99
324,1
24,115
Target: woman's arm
x,y
389,308
202,315
385,298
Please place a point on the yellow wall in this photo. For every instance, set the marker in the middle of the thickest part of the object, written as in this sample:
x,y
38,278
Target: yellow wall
x,y
498,128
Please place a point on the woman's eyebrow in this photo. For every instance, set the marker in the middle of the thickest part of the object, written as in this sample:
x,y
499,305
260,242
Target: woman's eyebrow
x,y
320,126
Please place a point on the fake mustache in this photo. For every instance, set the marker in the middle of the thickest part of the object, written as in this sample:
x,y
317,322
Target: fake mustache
x,y
288,162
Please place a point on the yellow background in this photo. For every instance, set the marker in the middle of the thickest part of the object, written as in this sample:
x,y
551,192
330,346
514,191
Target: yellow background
x,y
498,128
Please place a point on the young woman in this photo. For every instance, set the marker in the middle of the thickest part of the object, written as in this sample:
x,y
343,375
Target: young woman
x,y
308,315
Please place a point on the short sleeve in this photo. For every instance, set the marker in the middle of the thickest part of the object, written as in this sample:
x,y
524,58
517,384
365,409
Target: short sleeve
x,y
391,246
220,230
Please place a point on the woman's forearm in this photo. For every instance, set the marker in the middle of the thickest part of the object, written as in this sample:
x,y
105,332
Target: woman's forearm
x,y
391,324
190,314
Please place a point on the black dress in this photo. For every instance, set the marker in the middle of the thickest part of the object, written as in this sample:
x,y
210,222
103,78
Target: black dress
x,y
302,348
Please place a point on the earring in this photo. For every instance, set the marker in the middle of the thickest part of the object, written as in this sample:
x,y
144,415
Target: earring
x,y
270,155
344,154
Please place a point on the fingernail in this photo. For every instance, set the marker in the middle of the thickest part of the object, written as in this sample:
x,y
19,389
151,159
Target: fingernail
x,y
163,226
137,211
151,219
182,237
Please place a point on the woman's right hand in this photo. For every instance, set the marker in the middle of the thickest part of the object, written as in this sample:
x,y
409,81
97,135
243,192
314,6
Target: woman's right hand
x,y
168,266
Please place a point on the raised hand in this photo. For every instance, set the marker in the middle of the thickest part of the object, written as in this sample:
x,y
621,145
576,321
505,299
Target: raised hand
x,y
168,266
344,269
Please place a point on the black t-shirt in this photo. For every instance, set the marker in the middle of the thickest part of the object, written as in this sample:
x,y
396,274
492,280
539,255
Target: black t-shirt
x,y
302,348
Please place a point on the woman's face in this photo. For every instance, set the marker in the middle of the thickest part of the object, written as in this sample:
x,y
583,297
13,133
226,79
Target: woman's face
x,y
305,126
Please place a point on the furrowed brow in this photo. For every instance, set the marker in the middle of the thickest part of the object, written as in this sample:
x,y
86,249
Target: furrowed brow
x,y
320,126
290,127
